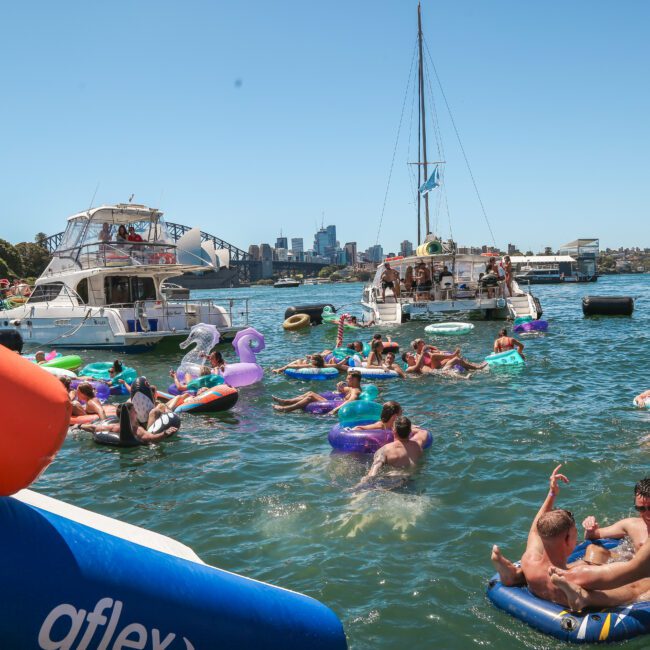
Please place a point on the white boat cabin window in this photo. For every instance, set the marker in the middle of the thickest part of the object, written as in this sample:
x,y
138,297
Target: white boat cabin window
x,y
82,290
72,234
46,292
124,289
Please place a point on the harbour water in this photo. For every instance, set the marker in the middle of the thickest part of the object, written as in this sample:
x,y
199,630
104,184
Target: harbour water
x,y
261,494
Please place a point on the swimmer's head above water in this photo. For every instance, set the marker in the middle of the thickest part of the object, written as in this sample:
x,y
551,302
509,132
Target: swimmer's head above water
x,y
402,427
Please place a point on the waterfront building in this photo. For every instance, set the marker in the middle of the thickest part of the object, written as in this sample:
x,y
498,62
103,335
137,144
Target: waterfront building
x,y
375,253
266,253
585,253
351,253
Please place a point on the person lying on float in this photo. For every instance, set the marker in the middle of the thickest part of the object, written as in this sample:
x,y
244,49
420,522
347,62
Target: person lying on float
x,y
351,391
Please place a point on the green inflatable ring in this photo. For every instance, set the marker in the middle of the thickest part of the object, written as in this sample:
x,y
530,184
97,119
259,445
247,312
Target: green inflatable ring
x,y
69,362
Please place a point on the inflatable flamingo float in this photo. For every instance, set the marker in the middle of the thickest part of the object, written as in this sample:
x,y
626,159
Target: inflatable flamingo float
x,y
247,344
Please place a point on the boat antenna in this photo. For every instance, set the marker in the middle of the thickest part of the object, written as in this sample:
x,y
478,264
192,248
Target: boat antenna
x,y
423,126
94,195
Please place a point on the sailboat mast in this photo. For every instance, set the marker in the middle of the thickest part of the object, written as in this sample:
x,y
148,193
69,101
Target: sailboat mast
x,y
423,121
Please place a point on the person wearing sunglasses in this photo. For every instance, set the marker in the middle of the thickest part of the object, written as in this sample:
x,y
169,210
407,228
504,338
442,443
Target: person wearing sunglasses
x,y
617,583
636,528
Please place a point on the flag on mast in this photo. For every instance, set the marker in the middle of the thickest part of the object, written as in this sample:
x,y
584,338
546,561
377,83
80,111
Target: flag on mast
x,y
431,183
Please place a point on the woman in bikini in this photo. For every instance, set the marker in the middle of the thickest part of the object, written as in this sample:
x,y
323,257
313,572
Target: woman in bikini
x,y
506,343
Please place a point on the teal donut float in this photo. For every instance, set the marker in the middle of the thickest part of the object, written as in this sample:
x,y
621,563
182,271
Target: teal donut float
x,y
608,625
509,358
99,370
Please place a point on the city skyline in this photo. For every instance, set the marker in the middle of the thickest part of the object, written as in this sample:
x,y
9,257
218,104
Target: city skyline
x,y
277,128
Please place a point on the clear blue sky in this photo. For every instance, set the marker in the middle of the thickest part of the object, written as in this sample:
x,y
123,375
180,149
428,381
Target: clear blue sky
x,y
247,117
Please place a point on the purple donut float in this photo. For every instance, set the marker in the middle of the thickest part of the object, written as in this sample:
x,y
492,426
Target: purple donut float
x,y
332,400
365,441
531,326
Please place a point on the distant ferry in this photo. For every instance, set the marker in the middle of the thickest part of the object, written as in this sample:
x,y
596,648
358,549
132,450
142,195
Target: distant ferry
x,y
540,276
284,283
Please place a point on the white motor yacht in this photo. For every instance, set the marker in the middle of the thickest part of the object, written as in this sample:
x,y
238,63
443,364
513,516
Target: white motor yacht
x,y
284,283
105,289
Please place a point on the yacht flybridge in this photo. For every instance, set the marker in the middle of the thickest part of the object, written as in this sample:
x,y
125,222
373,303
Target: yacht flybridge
x,y
105,285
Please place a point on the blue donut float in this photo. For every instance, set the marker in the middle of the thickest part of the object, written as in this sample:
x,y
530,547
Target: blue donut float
x,y
312,374
365,441
609,625
103,583
375,373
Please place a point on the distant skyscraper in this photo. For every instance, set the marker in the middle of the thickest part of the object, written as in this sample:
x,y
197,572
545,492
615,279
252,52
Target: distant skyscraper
x,y
281,242
351,253
297,245
375,253
321,242
266,253
406,248
331,236
281,254
254,252
511,249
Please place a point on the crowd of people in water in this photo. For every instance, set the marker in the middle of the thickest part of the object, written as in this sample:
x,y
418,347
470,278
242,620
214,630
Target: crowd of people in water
x,y
601,579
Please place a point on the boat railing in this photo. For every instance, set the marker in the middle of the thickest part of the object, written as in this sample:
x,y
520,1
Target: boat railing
x,y
195,310
117,254
459,291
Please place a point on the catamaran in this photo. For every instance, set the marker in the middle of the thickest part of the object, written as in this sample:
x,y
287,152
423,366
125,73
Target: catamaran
x,y
105,286
440,280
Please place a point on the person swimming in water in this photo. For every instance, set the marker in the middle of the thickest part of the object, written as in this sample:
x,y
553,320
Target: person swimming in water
x,y
403,452
391,364
315,361
351,392
390,411
85,402
504,343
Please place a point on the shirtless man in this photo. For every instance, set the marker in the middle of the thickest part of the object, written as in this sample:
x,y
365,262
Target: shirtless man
x,y
352,391
389,280
403,452
617,583
552,538
636,528
389,364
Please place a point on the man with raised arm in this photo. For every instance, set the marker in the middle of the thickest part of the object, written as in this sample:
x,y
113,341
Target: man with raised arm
x,y
617,583
551,539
